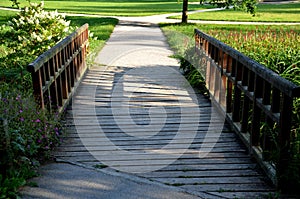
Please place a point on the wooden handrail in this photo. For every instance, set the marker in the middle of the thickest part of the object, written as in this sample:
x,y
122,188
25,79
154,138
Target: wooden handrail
x,y
57,72
250,96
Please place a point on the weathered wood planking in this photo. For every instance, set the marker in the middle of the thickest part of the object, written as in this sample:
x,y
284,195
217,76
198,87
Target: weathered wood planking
x,y
227,171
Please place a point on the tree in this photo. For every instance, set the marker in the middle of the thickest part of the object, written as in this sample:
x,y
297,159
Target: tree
x,y
246,5
184,11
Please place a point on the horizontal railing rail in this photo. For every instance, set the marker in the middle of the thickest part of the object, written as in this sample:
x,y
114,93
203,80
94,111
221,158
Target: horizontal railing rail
x,y
57,72
253,98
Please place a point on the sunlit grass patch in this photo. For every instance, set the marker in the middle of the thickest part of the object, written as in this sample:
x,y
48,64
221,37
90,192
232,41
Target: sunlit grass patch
x,y
113,8
265,13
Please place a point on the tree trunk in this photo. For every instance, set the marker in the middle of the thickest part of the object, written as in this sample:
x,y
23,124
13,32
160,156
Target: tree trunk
x,y
184,11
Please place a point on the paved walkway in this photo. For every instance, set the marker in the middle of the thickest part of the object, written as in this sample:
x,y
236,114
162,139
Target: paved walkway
x,y
69,181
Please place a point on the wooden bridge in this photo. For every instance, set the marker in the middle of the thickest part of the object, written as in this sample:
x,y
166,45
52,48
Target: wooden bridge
x,y
144,119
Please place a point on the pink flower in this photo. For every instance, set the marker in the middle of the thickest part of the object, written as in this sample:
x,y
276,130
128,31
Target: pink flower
x,y
22,119
37,120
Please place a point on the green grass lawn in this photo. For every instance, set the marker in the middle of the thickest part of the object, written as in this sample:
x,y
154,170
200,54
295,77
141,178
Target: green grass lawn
x,y
100,27
5,16
265,13
113,7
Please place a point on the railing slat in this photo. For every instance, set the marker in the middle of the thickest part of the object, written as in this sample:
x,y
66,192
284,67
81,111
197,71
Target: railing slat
x,y
57,71
258,101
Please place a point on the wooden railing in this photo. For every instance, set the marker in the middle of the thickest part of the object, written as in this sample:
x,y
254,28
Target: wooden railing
x,y
257,102
57,72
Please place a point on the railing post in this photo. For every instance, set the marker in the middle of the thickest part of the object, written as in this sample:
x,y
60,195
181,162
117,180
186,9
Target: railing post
x,y
237,92
256,115
37,88
284,142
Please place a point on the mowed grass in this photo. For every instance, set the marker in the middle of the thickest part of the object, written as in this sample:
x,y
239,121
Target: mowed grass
x,y
113,7
100,27
265,13
6,15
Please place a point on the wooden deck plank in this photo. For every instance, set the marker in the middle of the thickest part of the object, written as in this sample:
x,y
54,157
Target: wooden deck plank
x,y
225,172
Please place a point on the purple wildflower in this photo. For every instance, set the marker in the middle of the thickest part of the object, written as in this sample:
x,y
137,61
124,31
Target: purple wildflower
x,y
18,97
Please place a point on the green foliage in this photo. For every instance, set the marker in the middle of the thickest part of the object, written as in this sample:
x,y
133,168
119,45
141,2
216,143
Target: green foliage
x,y
245,5
27,134
275,49
26,137
191,73
24,38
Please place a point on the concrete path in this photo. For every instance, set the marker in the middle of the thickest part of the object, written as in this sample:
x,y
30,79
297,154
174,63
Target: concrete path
x,y
67,181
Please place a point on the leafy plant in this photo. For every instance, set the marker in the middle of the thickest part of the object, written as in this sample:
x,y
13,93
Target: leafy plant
x,y
27,36
26,137
192,74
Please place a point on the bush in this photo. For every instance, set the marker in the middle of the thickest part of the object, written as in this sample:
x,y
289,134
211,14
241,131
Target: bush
x,y
27,134
25,37
26,137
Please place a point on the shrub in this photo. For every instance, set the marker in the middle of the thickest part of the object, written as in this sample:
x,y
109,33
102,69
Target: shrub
x,y
25,37
27,134
26,137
